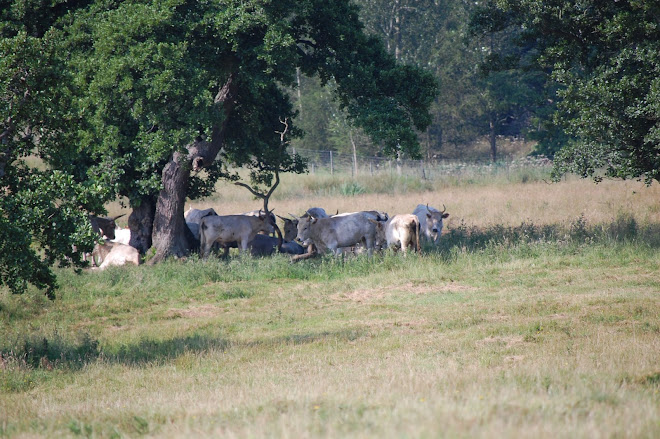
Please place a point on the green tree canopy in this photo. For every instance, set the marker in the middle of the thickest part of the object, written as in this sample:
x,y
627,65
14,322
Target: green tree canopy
x,y
153,92
43,207
606,57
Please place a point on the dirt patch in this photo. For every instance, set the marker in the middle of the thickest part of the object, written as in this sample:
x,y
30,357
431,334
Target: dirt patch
x,y
423,288
368,295
189,313
359,296
508,341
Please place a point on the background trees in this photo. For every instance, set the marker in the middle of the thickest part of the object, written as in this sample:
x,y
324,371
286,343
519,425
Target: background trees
x,y
604,58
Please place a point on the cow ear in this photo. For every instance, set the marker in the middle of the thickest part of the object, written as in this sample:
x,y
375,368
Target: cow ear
x,y
445,215
429,215
313,220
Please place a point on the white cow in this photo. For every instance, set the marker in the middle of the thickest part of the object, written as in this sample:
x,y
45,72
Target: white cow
x,y
337,232
399,232
430,221
227,229
194,216
122,236
115,254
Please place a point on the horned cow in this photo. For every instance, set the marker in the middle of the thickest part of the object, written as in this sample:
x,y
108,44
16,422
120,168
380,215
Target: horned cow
x,y
225,229
430,221
337,232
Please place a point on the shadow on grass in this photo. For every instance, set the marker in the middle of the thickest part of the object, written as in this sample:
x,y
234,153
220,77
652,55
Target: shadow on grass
x,y
40,352
624,229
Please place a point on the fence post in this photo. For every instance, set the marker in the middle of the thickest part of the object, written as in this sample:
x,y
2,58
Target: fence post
x,y
371,168
332,168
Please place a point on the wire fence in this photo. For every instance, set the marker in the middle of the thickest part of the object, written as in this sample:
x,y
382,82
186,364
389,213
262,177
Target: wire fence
x,y
333,162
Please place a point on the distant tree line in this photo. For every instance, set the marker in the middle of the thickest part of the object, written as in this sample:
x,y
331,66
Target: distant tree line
x,y
580,79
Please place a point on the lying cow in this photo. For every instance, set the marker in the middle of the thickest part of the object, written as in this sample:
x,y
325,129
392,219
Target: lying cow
x,y
264,245
337,232
122,236
226,229
430,220
115,254
399,232
290,229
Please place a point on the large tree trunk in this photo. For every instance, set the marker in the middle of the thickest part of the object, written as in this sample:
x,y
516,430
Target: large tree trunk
x,y
140,222
171,237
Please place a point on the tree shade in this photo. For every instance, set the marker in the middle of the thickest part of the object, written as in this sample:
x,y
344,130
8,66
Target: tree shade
x,y
150,93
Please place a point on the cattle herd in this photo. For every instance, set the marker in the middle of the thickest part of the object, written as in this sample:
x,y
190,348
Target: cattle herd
x,y
311,234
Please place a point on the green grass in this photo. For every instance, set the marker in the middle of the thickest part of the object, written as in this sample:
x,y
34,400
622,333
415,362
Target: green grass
x,y
547,331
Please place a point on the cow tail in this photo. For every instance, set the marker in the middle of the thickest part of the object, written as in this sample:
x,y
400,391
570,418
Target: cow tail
x,y
202,237
417,233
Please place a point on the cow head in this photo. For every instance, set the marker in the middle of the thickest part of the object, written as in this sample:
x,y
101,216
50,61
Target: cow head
x,y
268,222
381,237
434,222
290,228
305,229
105,225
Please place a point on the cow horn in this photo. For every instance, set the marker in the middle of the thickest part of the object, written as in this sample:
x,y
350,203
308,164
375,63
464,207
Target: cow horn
x,y
444,209
427,207
282,218
118,216
294,217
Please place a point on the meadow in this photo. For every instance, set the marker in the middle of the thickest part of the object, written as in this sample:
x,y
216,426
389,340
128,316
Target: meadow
x,y
538,316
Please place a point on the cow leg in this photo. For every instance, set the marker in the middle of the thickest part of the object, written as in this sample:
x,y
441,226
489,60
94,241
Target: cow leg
x,y
369,243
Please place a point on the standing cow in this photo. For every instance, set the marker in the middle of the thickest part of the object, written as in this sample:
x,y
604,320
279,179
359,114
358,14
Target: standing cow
x,y
430,221
399,232
227,229
337,232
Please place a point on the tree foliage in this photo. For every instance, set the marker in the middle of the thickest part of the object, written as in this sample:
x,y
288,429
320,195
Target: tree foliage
x,y
43,208
136,98
605,57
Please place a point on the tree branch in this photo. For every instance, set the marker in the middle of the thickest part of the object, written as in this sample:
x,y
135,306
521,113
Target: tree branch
x,y
255,193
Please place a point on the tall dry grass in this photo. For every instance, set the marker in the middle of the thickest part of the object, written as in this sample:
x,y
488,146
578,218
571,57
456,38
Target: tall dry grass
x,y
505,204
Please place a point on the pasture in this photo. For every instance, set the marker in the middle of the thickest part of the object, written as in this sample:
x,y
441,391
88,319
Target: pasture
x,y
539,316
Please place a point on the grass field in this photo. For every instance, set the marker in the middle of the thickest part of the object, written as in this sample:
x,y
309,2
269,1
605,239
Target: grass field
x,y
539,316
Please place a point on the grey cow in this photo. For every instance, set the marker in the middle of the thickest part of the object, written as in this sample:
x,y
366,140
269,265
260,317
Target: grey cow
x,y
430,221
227,229
337,232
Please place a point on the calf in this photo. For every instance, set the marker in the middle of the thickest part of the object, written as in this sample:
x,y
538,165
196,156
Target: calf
x,y
264,245
399,232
